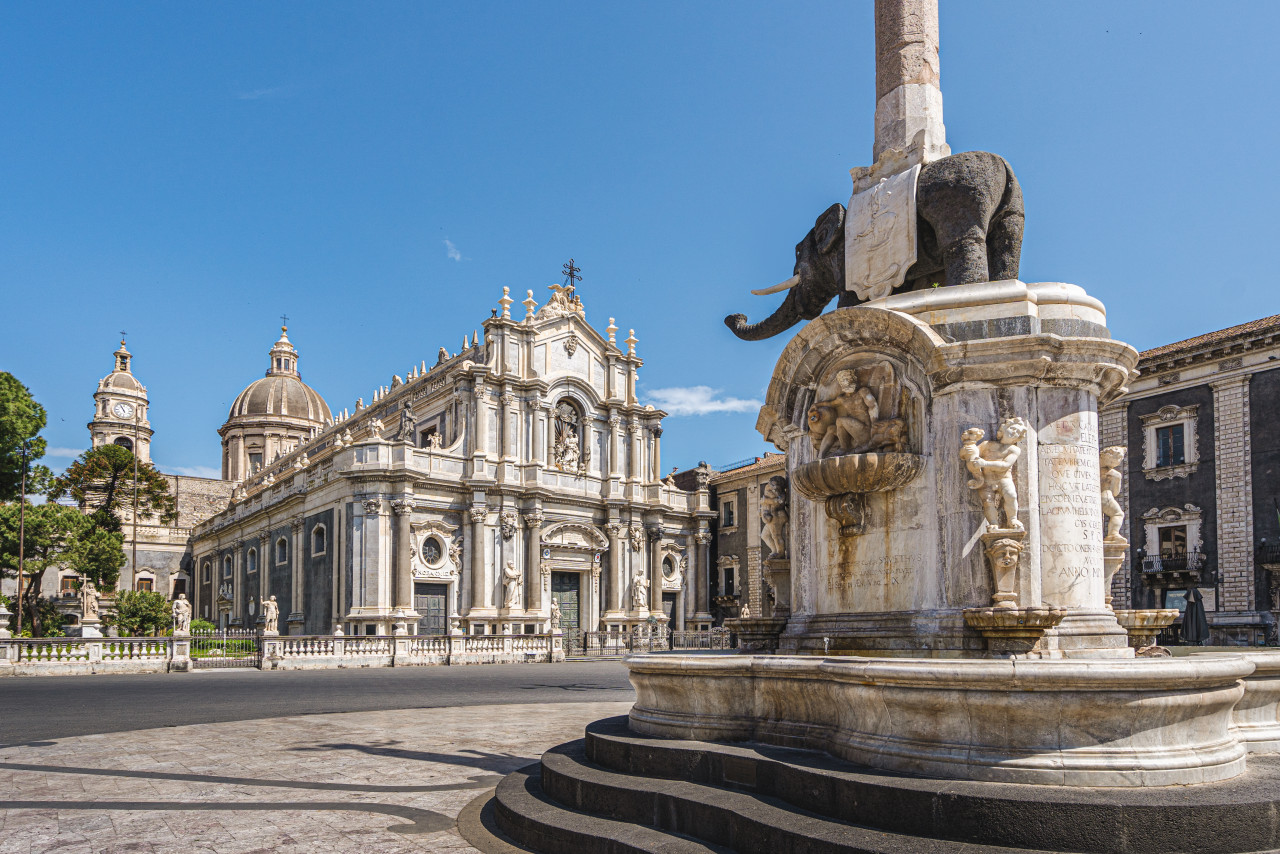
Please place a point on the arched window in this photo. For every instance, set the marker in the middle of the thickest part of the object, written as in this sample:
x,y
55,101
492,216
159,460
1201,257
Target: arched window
x,y
226,567
207,573
251,561
124,442
282,550
567,440
319,539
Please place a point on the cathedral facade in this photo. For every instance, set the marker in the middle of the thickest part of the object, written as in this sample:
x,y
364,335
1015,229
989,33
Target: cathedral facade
x,y
514,478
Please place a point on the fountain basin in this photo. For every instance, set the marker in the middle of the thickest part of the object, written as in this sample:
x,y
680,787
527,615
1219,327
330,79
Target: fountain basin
x,y
856,473
1073,722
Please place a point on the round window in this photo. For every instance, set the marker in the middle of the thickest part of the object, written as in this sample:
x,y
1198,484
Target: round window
x,y
432,551
668,568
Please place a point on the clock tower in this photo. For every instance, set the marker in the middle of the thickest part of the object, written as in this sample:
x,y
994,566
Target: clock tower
x,y
120,410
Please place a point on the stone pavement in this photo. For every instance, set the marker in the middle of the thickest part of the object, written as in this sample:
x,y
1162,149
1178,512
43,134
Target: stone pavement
x,y
371,782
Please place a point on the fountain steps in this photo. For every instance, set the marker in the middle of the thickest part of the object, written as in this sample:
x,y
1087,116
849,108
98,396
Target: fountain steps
x,y
615,792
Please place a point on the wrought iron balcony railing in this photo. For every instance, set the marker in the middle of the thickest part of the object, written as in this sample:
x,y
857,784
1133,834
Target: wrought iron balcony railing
x,y
1190,562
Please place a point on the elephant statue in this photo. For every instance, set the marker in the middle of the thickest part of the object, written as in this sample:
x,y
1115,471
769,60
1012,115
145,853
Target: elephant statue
x,y
969,219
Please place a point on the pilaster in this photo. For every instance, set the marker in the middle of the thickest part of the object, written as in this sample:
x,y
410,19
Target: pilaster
x,y
1234,489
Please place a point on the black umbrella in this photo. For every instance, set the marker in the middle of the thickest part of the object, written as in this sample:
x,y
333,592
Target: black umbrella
x,y
1195,625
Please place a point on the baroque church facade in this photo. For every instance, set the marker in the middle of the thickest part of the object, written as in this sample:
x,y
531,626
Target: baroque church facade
x,y
466,496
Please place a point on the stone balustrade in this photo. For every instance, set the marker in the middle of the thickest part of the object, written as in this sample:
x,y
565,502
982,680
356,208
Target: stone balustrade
x,y
74,656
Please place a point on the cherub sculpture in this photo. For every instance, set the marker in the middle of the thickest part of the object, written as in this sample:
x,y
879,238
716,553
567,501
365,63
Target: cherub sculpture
x,y
774,515
1110,478
994,461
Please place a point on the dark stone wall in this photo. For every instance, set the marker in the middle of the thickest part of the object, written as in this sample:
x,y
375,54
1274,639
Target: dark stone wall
x,y
280,575
731,541
1264,444
208,589
1198,488
317,574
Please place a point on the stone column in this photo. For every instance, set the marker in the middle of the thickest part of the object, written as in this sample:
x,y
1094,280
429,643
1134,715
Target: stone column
x,y
509,428
908,93
482,420
657,455
297,619
615,447
238,593
633,470
615,570
540,435
533,561
403,560
1233,487
264,566
654,536
701,576
479,590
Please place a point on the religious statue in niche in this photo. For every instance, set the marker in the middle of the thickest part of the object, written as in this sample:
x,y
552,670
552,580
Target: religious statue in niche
x,y
555,615
1110,478
774,515
567,453
511,585
181,615
640,591
270,617
866,410
991,465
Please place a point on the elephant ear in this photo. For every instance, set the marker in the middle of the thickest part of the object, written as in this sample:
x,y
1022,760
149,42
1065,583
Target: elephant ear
x,y
828,231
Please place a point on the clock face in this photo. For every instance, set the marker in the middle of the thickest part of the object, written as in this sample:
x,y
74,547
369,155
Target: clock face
x,y
122,410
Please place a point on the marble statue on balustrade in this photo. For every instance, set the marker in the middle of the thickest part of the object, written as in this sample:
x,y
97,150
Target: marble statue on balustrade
x,y
181,615
991,463
1111,478
405,430
512,584
270,616
88,602
774,516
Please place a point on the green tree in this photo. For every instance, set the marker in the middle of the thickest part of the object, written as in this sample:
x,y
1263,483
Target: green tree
x,y
55,535
50,618
141,613
102,481
21,420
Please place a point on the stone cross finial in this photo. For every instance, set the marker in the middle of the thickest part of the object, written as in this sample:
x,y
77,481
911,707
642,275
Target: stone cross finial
x,y
908,93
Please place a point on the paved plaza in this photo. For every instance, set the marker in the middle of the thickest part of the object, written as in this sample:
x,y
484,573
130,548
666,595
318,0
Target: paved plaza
x,y
387,779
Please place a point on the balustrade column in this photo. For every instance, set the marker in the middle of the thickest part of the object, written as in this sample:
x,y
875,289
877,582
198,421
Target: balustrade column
x,y
403,560
479,589
533,560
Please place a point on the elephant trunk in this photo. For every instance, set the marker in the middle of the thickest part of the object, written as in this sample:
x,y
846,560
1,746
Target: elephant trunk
x,y
783,318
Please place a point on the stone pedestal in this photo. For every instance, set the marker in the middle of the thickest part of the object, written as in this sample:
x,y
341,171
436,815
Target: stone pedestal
x,y
778,574
1013,631
891,545
1113,552
756,634
180,652
1144,625
91,629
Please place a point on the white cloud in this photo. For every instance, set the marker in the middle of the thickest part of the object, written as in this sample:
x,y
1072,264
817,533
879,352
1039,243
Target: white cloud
x,y
698,400
451,250
193,471
69,453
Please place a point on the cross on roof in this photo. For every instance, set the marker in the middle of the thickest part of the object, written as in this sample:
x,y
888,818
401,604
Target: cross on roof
x,y
284,320
571,274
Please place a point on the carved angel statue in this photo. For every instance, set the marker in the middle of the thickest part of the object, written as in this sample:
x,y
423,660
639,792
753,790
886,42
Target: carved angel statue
x,y
640,591
181,615
774,515
671,478
994,461
1110,479
375,428
511,585
434,441
270,616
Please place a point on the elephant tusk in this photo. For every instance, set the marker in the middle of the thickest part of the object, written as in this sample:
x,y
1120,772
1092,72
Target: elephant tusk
x,y
778,288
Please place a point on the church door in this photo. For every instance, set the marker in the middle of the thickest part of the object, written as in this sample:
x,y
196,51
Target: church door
x,y
430,600
565,587
669,608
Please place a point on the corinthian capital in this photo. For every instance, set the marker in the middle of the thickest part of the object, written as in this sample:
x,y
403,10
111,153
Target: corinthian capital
x,y
477,514
402,506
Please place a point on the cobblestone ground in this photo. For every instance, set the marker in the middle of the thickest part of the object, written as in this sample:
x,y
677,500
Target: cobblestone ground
x,y
370,782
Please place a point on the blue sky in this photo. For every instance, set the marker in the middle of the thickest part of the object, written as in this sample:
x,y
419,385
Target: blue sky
x,y
378,171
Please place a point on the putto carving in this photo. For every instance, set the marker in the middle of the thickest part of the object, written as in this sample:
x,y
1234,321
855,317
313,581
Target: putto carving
x,y
375,428
455,550
563,303
991,463
774,516
864,410
507,523
1110,478
434,441
636,535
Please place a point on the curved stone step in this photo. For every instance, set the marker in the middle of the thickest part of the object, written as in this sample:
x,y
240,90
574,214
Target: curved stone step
x,y
743,822
528,816
1239,815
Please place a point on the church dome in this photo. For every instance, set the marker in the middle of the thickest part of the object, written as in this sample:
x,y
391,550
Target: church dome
x,y
281,393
